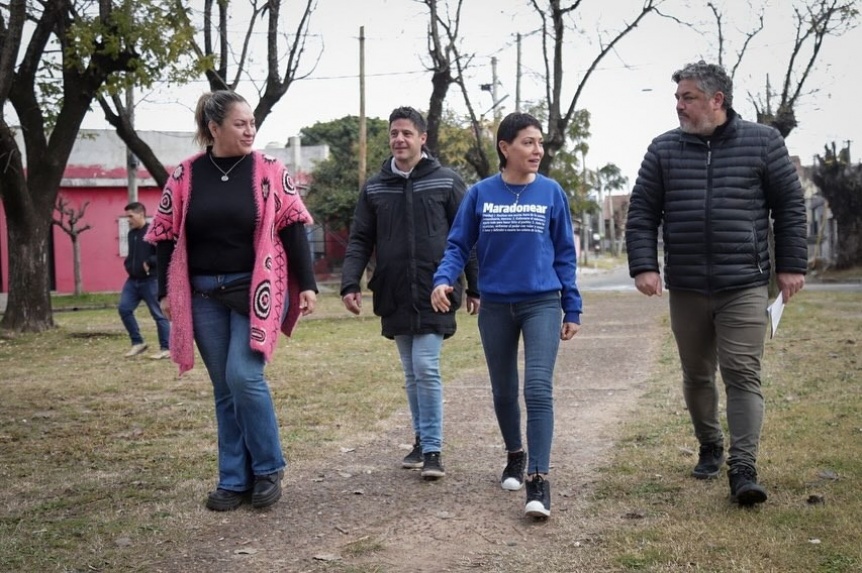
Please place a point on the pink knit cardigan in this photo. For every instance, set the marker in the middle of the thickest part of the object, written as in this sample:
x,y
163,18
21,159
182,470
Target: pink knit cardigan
x,y
278,205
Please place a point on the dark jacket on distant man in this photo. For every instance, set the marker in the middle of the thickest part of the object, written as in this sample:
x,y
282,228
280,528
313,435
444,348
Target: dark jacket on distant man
x,y
140,252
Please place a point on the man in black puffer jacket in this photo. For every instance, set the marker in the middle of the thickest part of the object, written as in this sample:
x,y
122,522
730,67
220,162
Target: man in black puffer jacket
x,y
711,186
403,217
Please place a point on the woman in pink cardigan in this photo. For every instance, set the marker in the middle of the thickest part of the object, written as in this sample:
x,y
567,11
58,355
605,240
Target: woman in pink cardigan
x,y
234,271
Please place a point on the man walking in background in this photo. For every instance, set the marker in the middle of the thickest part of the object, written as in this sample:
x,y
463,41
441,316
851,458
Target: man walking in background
x,y
142,284
712,185
403,216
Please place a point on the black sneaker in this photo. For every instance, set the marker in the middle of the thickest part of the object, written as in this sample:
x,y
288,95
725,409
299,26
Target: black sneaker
x,y
744,487
709,461
538,497
432,468
225,500
414,459
513,476
267,489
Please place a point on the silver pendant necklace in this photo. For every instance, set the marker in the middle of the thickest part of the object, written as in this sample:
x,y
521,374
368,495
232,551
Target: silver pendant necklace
x,y
518,193
224,174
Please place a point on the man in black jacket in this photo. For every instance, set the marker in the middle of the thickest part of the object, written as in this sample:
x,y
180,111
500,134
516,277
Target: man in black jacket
x,y
712,185
142,284
403,216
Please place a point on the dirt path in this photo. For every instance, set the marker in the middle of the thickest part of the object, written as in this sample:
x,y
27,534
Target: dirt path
x,y
358,511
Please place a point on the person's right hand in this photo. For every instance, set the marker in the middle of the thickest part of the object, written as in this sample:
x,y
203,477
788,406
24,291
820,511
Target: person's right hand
x,y
353,302
440,298
649,283
166,307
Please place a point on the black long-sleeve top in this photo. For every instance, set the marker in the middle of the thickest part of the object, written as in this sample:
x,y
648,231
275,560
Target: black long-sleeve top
x,y
221,221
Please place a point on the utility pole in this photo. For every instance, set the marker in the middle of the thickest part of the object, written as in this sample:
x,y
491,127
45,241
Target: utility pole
x,y
585,215
600,193
494,89
363,144
518,77
612,228
131,160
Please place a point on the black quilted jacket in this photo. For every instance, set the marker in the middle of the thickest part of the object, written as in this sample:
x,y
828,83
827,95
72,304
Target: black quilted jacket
x,y
406,222
712,199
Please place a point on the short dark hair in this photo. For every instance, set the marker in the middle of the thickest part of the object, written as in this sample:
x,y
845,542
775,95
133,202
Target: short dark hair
x,y
213,106
710,78
509,128
136,207
406,112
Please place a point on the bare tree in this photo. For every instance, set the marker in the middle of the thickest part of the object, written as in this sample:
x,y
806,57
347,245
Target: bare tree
x,y
815,21
840,182
448,65
216,57
67,218
749,36
50,76
553,18
441,49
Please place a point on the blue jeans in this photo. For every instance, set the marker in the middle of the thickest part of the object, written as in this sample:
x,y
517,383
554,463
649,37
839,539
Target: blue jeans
x,y
420,358
501,326
248,435
147,290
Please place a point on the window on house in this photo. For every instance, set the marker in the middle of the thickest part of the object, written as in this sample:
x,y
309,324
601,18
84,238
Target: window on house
x,y
123,234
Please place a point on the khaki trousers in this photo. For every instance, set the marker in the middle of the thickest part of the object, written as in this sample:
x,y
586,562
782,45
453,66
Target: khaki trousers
x,y
724,330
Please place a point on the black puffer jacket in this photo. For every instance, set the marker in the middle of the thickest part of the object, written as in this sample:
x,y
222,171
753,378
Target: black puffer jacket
x,y
406,221
713,197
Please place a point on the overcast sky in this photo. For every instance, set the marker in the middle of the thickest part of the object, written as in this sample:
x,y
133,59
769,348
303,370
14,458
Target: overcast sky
x,y
630,96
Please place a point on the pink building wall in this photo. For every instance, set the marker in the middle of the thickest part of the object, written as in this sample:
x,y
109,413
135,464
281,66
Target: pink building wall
x,y
96,173
101,260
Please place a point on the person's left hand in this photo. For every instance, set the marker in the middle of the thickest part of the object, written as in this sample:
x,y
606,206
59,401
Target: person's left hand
x,y
307,302
789,284
165,304
472,306
569,330
440,298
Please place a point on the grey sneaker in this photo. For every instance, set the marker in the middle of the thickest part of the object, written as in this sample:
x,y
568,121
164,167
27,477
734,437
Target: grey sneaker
x,y
744,487
433,466
709,461
414,459
136,349
513,475
538,497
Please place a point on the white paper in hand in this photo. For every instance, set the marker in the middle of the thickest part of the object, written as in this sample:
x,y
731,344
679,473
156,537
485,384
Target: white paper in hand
x,y
774,310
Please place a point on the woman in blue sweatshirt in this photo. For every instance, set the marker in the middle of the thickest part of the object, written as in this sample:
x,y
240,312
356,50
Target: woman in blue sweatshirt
x,y
520,224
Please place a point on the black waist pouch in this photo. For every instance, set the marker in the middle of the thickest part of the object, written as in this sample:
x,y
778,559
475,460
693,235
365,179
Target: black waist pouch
x,y
234,295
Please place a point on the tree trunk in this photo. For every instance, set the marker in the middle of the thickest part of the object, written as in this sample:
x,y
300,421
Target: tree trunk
x,y
849,248
29,305
440,82
76,262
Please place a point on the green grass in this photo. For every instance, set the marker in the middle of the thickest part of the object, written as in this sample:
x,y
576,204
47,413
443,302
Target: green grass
x,y
811,446
99,455
96,449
